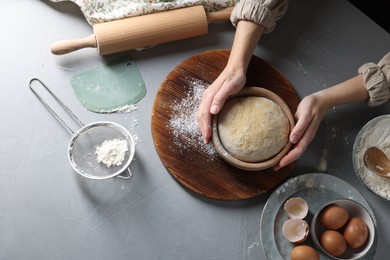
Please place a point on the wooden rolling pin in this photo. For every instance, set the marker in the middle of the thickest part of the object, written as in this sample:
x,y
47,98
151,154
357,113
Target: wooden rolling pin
x,y
146,30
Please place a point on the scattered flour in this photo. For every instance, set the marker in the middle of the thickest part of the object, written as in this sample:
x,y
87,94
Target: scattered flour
x,y
377,134
184,124
133,110
112,152
133,122
253,245
127,108
322,164
123,109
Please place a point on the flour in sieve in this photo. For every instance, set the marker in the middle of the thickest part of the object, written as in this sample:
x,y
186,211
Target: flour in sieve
x,y
112,152
377,135
183,123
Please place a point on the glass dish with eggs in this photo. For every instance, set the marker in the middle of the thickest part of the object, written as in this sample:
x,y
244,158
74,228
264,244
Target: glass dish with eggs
x,y
343,229
283,231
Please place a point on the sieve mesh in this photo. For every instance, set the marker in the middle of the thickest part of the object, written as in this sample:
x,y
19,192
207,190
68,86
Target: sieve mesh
x,y
82,148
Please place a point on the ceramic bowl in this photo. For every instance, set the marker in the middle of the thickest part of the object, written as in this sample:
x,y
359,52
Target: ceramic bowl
x,y
254,166
374,133
354,209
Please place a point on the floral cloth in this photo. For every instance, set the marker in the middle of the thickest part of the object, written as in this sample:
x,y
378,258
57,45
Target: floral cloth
x,y
98,11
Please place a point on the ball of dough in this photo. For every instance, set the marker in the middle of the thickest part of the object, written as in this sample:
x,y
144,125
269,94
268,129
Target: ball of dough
x,y
253,129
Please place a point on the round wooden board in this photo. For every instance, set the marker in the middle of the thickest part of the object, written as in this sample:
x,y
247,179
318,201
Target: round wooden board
x,y
193,164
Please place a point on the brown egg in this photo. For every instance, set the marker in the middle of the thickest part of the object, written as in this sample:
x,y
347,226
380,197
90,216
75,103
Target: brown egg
x,y
304,252
333,242
333,217
356,232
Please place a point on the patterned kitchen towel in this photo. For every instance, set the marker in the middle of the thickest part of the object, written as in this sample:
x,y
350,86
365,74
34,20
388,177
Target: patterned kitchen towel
x,y
98,11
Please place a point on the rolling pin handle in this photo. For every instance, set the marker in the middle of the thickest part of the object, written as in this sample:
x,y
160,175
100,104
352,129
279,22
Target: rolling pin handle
x,y
222,15
67,46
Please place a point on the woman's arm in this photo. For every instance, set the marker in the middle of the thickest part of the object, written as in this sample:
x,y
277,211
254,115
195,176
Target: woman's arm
x,y
312,109
352,90
252,18
232,78
371,85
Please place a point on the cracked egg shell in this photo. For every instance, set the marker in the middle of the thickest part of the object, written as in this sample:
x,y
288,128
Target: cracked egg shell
x,y
295,230
296,208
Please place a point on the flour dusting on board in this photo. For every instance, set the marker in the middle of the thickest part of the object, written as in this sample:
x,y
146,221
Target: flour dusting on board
x,y
184,124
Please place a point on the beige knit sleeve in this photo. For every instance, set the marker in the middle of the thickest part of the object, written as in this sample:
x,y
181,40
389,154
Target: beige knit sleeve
x,y
377,80
264,12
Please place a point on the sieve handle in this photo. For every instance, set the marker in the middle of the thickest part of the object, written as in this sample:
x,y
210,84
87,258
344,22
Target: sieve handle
x,y
126,174
51,110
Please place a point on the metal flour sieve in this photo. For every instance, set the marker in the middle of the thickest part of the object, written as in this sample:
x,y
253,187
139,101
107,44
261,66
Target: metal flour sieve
x,y
84,142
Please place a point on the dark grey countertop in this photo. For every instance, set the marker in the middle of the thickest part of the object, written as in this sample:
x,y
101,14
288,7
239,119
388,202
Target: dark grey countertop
x,y
47,211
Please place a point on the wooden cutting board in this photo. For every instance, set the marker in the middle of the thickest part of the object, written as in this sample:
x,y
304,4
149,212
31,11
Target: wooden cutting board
x,y
190,162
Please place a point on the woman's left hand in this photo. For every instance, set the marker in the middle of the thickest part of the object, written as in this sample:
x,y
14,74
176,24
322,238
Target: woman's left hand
x,y
309,115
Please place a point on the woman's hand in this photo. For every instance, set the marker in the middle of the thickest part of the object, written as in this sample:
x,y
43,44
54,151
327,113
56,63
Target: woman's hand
x,y
310,112
232,78
228,83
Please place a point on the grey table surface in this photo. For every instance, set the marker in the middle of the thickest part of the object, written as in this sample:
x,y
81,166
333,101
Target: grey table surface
x,y
48,211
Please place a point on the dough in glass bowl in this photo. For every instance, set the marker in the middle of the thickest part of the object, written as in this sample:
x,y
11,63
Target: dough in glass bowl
x,y
253,129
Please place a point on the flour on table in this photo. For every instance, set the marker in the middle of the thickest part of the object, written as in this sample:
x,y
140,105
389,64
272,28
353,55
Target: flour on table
x,y
112,152
126,108
133,110
322,164
123,109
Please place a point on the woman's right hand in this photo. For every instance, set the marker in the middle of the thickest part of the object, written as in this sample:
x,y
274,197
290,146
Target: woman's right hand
x,y
232,78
